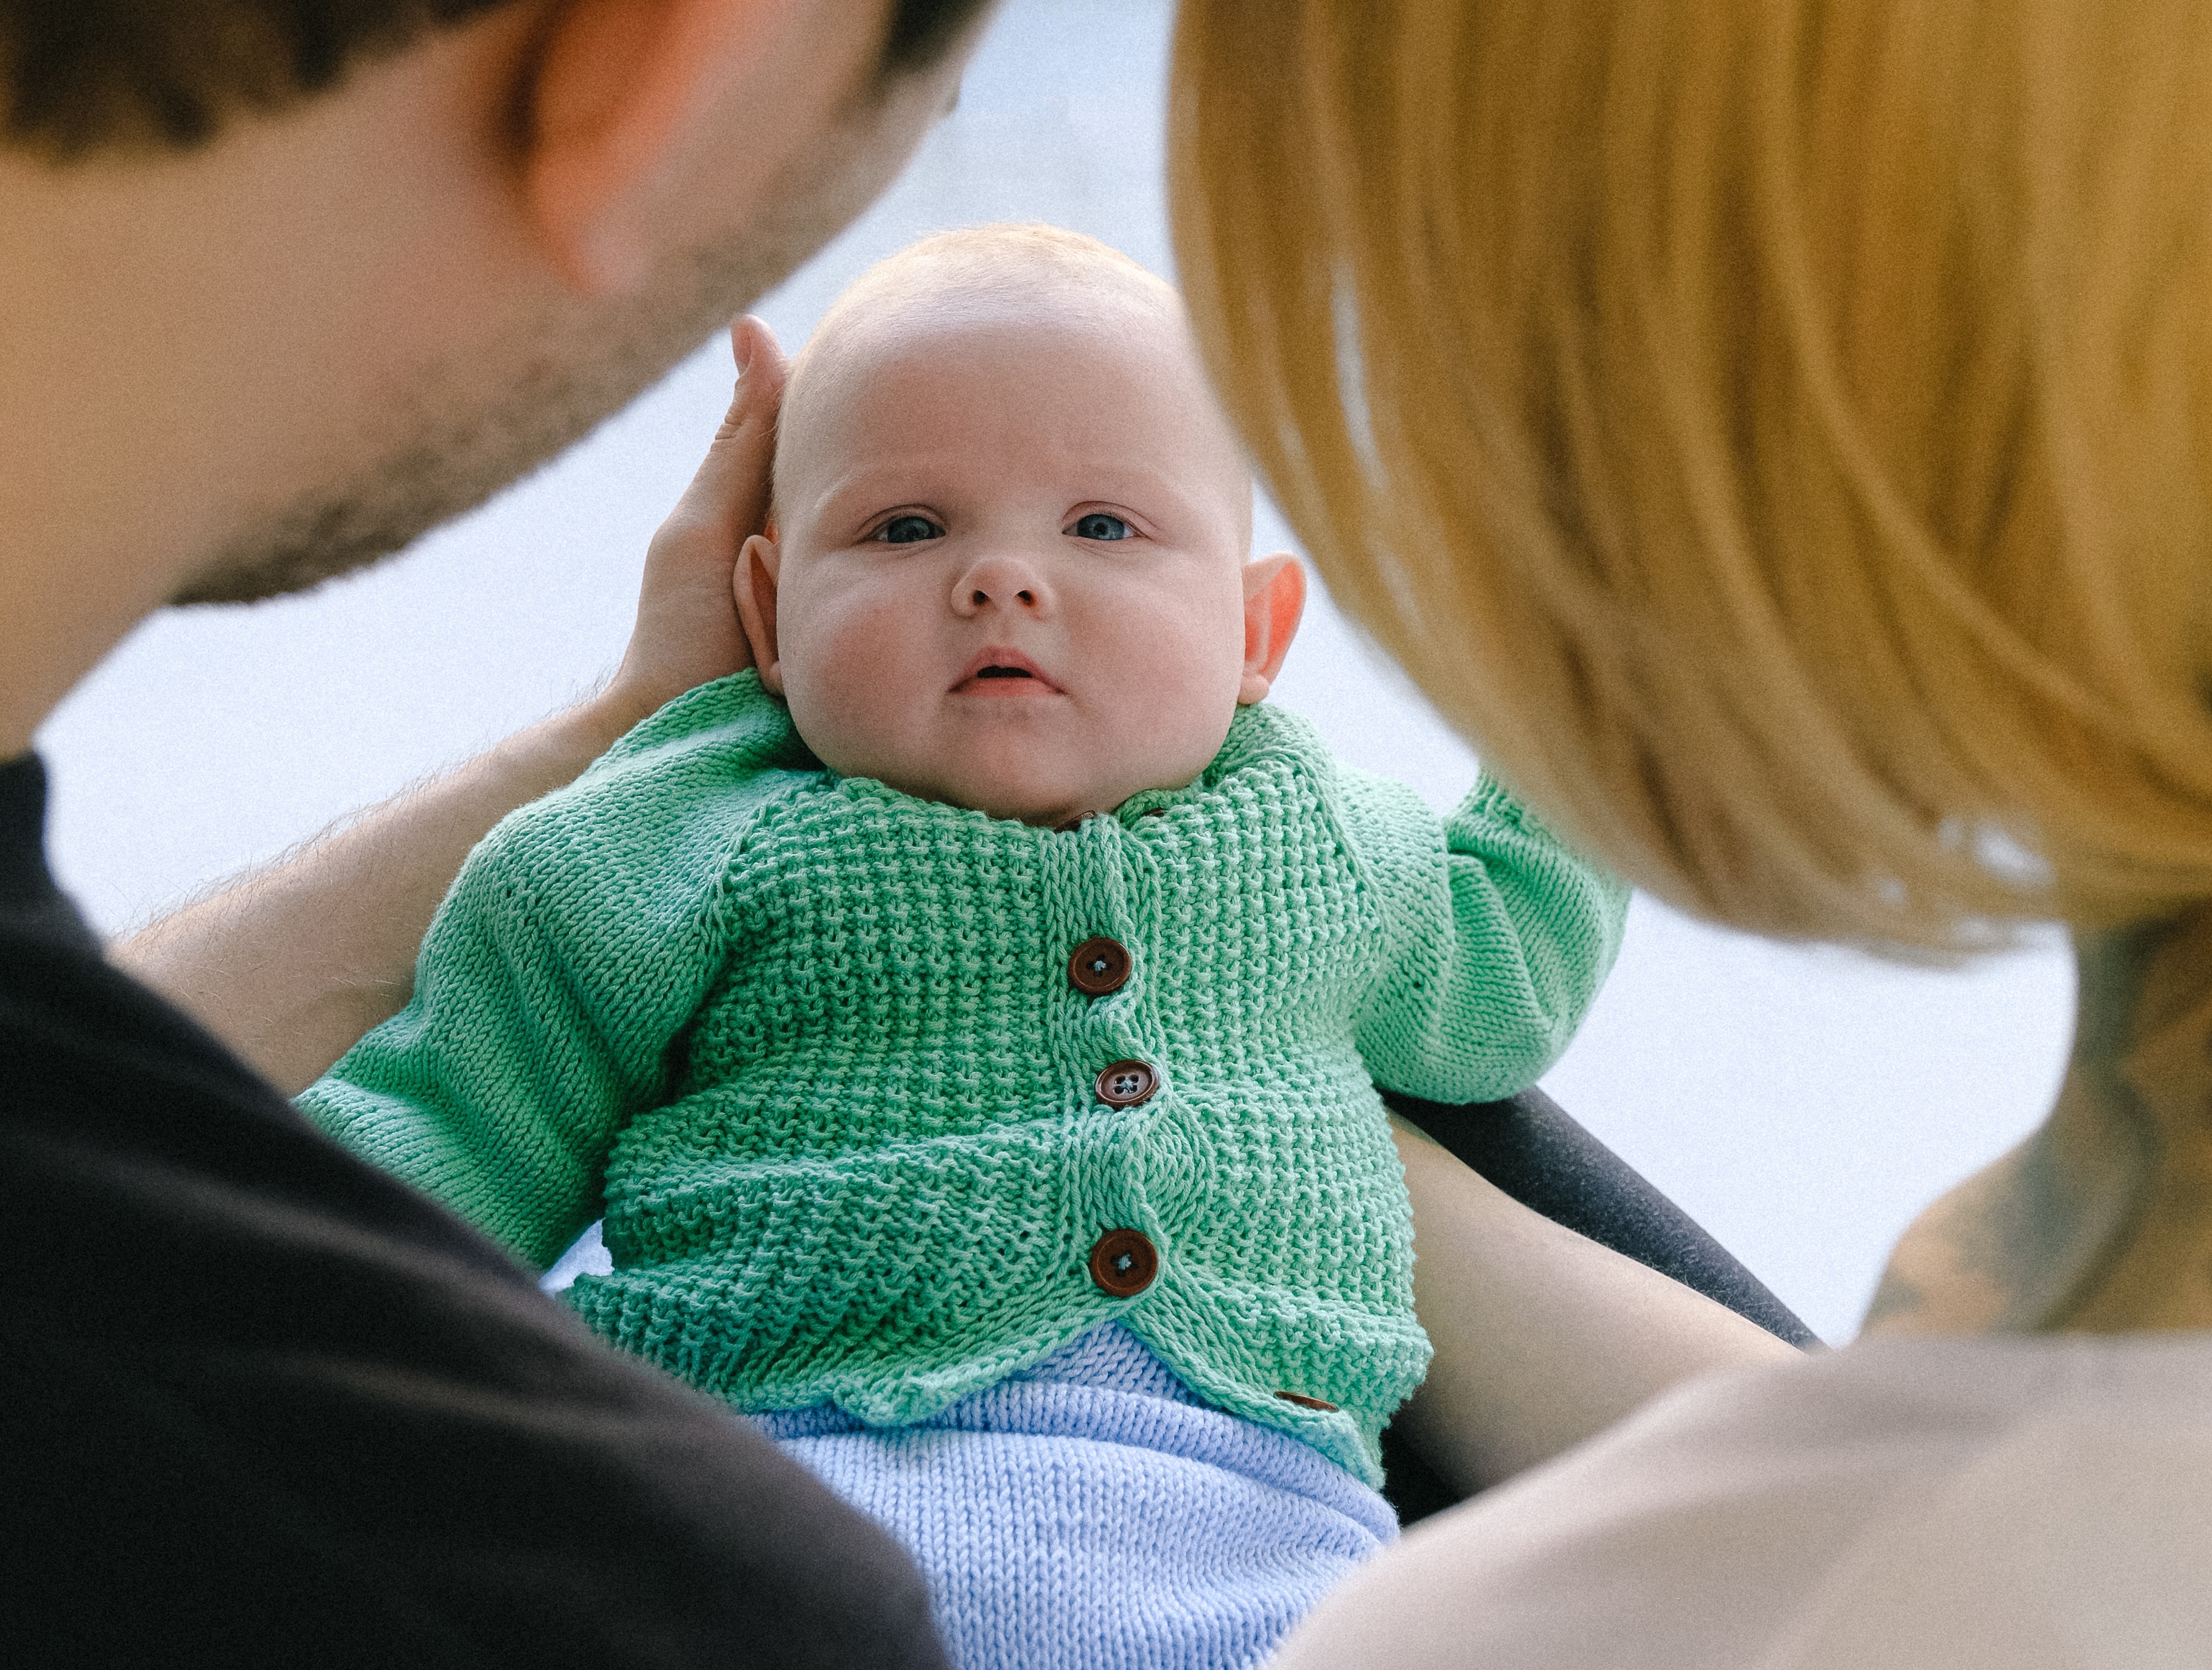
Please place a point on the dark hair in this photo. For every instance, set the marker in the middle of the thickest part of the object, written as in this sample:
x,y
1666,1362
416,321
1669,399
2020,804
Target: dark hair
x,y
83,76
920,32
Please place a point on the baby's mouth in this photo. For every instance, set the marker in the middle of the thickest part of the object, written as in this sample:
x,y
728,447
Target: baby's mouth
x,y
1004,672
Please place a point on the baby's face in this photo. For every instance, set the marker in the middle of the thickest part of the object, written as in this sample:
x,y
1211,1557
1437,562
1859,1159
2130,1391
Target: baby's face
x,y
1009,569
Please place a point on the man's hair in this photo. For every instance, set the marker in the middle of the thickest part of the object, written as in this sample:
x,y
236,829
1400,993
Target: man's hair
x,y
81,76
1779,433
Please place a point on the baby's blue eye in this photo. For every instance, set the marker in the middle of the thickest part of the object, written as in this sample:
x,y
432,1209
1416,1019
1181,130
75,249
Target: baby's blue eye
x,y
908,530
1099,525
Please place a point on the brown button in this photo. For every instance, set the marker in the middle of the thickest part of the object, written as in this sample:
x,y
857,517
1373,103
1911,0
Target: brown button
x,y
1305,1402
1125,1083
1123,1263
1098,966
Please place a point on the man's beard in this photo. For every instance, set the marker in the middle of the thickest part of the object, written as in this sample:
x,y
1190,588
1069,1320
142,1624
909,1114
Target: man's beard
x,y
469,429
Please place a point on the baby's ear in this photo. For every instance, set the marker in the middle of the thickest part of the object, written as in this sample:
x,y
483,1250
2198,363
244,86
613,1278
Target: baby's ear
x,y
754,581
1274,598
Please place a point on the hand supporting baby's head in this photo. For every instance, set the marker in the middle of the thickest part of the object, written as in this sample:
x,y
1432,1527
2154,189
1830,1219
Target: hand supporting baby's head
x,y
1008,567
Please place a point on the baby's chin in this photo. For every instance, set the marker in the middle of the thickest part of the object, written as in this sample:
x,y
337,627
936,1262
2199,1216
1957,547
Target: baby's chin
x,y
1046,778
1045,804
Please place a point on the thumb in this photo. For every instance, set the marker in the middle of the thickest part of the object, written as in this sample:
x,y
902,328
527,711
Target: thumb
x,y
761,369
687,629
731,488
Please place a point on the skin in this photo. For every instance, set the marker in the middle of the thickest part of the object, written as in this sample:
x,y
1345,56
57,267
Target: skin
x,y
1010,572
568,194
1543,1337
2101,1222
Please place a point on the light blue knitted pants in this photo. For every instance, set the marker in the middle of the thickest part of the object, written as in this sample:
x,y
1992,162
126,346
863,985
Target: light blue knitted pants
x,y
1090,1514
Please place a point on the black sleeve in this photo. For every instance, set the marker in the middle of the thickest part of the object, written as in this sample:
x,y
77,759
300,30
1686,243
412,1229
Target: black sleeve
x,y
1528,1147
262,1405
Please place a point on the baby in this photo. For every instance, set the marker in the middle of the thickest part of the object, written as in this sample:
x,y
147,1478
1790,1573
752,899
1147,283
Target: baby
x,y
969,1022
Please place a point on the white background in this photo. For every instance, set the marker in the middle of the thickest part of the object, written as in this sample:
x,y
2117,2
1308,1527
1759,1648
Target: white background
x,y
1802,1105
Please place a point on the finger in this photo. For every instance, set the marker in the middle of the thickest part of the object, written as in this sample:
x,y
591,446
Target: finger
x,y
730,490
752,339
761,369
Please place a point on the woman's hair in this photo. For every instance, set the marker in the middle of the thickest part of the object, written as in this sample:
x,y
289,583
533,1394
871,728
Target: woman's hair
x,y
1779,432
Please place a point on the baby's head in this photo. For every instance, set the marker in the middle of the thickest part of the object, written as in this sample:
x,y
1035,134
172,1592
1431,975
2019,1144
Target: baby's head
x,y
1007,564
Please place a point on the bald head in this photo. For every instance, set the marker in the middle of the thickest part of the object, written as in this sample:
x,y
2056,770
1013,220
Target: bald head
x,y
994,292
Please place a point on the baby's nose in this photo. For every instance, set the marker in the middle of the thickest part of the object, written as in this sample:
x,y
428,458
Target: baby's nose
x,y
979,597
1002,581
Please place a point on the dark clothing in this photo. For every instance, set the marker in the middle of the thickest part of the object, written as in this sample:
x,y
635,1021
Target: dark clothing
x,y
262,1404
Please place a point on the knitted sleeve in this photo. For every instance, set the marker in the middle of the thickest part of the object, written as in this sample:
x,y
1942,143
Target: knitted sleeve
x,y
576,942
1498,937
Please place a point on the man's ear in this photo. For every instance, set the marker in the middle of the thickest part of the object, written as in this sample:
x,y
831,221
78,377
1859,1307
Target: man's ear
x,y
1274,598
630,102
754,581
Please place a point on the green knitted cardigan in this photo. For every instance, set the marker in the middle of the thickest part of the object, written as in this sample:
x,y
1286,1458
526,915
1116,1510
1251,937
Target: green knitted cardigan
x,y
811,1046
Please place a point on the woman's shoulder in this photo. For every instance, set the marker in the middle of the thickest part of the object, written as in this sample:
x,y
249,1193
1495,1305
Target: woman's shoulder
x,y
1919,1504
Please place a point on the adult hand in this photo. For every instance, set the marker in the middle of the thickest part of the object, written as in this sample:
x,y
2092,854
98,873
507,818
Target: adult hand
x,y
687,630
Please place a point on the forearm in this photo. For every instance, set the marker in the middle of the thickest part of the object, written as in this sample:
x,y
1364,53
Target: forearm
x,y
289,965
1543,1337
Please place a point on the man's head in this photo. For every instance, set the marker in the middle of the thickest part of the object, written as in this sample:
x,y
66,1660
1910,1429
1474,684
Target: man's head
x,y
291,283
1008,565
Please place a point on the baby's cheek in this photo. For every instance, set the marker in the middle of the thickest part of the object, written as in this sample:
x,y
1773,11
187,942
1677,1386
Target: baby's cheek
x,y
852,693
1176,714
843,721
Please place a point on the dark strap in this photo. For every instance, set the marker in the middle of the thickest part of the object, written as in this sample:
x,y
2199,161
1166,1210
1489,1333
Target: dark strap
x,y
1528,1147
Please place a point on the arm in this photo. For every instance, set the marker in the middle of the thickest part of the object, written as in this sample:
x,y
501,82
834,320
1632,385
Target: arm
x,y
1542,1337
581,937
1528,1147
290,964
498,1089
1501,942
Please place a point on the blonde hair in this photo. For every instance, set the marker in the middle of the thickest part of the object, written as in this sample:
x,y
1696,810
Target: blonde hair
x,y
1776,431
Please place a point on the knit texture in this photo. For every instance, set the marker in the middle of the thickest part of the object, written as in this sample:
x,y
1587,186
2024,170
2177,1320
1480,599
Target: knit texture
x,y
811,1046
1086,1514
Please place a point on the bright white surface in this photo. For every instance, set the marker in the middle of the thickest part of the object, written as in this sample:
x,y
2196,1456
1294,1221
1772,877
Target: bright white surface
x,y
1802,1105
